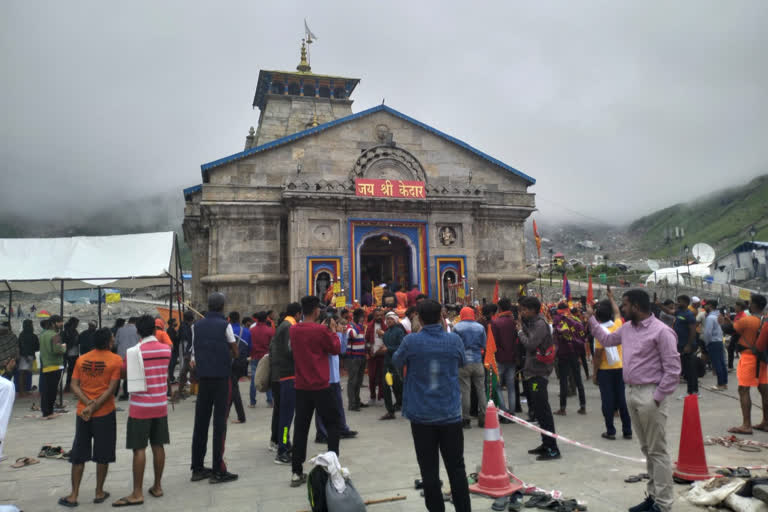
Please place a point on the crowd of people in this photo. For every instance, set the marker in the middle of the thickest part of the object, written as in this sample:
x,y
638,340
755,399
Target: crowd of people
x,y
425,360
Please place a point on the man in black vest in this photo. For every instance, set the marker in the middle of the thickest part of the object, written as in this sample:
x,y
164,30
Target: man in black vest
x,y
214,347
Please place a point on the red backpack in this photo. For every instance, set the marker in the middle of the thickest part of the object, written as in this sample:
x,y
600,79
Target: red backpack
x,y
546,355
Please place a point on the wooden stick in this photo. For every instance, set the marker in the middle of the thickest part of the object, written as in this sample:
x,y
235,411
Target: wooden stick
x,y
374,502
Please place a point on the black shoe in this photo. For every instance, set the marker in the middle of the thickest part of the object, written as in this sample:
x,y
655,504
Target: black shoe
x,y
363,405
201,474
123,398
321,439
538,450
221,478
628,436
283,458
467,424
481,422
388,416
550,454
355,409
349,434
606,435
645,506
504,420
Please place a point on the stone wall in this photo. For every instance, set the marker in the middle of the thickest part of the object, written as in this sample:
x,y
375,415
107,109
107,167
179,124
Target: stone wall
x,y
284,115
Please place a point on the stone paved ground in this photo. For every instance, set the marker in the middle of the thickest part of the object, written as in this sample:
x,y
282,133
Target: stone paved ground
x,y
381,460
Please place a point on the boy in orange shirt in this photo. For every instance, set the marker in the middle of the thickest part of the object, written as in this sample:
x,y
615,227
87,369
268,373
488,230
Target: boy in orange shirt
x,y
94,382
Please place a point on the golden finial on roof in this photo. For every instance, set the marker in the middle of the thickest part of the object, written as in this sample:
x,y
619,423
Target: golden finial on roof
x,y
314,120
304,64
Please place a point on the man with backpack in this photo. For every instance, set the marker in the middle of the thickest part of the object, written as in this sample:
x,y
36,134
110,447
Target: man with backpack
x,y
536,338
751,371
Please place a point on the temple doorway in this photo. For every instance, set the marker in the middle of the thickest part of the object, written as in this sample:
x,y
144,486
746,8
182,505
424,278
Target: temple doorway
x,y
385,258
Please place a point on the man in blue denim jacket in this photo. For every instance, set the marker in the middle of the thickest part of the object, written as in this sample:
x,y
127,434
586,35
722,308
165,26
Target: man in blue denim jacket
x,y
472,334
432,402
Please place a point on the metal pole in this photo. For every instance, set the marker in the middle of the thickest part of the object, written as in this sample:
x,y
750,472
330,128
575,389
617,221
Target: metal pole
x,y
61,313
170,300
98,290
10,301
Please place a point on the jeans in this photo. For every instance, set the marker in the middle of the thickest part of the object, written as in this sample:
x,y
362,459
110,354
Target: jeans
x,y
319,426
355,373
212,397
538,399
688,364
70,363
717,358
472,373
570,366
287,408
431,441
507,378
254,364
612,395
307,402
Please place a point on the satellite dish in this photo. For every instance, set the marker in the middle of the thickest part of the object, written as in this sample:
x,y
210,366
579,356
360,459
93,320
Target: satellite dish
x,y
653,265
704,253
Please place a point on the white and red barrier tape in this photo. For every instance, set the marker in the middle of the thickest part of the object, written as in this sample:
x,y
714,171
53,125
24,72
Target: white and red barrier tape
x,y
564,439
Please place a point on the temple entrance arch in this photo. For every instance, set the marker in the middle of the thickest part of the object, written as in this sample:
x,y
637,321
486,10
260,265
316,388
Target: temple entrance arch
x,y
391,251
386,258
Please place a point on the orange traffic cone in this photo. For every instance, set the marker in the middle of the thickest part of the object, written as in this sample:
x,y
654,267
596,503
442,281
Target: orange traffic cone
x,y
494,480
691,460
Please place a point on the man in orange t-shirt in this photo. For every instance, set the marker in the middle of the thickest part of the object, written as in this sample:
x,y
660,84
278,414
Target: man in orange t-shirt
x,y
160,333
94,382
748,373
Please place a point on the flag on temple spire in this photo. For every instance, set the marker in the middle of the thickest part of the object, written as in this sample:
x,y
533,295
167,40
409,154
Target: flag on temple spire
x,y
566,287
309,35
537,237
496,293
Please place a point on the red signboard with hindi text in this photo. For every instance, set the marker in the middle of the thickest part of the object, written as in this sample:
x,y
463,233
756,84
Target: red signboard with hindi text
x,y
390,188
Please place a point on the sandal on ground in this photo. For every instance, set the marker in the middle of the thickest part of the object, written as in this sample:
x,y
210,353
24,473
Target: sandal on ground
x,y
739,430
536,500
102,499
633,479
761,427
155,494
22,462
44,450
124,502
64,502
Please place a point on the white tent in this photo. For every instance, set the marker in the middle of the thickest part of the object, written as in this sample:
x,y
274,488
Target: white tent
x,y
44,265
676,275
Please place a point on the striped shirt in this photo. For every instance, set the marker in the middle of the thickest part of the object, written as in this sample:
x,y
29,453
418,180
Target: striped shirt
x,y
153,403
355,341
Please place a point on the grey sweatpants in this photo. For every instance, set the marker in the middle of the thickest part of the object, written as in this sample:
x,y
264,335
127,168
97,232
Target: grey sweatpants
x,y
473,373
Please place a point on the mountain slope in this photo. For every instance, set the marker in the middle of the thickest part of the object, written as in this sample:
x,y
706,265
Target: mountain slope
x,y
722,219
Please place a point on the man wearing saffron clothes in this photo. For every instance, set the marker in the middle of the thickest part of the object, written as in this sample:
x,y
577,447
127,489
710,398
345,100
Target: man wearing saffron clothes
x,y
148,414
311,344
214,347
652,372
95,378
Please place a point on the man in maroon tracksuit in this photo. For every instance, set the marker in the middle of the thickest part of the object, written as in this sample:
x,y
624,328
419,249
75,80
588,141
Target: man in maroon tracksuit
x,y
508,358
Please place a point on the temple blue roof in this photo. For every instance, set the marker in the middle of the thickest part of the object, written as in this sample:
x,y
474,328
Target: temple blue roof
x,y
205,168
191,190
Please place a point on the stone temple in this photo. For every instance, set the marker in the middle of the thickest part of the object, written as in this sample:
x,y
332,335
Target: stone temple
x,y
321,196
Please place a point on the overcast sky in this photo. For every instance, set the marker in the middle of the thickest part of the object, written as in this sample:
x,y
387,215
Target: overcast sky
x,y
616,108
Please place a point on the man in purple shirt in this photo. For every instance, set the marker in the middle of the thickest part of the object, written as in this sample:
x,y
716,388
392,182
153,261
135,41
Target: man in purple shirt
x,y
652,372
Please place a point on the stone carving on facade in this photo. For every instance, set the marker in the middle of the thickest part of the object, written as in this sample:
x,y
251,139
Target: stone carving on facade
x,y
447,236
387,162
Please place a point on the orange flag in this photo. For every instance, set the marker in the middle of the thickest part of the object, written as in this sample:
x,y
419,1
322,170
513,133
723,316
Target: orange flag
x,y
496,293
590,293
537,237
490,352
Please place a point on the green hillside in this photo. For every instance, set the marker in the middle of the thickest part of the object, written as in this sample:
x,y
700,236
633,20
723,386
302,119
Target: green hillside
x,y
722,220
